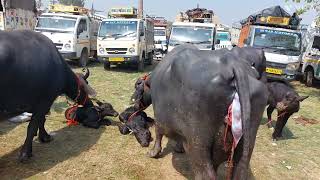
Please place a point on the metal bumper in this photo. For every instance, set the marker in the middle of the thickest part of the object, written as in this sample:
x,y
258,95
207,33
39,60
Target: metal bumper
x,y
68,55
287,75
131,59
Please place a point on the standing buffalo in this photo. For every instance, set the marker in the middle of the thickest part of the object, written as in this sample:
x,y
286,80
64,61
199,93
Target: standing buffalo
x,y
33,75
286,100
191,92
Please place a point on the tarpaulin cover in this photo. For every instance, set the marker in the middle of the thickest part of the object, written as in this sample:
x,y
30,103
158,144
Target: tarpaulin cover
x,y
276,11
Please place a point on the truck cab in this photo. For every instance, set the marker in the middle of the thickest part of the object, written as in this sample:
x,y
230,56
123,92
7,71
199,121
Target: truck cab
x,y
72,30
201,35
126,40
276,32
282,47
311,60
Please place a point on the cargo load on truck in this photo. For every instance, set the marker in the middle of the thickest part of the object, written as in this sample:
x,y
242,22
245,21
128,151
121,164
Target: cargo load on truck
x,y
275,31
73,30
124,38
273,16
17,14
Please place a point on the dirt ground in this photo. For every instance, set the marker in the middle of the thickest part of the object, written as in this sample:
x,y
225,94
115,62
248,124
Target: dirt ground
x,y
81,153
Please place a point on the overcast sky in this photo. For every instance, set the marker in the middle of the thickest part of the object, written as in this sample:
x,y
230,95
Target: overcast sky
x,y
229,11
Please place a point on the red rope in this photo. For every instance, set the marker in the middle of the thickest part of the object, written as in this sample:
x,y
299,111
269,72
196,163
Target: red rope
x,y
71,116
71,112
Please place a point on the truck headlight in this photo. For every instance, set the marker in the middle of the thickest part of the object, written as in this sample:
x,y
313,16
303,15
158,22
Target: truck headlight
x,y
67,46
132,50
101,50
293,66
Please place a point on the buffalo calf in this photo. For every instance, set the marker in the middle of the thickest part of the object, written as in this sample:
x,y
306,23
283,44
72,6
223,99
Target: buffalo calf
x,y
93,117
138,122
286,100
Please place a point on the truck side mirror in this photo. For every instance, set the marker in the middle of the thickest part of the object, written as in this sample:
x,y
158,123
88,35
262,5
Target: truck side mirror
x,y
218,41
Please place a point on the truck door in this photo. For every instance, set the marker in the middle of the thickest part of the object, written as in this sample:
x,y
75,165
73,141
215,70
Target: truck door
x,y
83,39
142,35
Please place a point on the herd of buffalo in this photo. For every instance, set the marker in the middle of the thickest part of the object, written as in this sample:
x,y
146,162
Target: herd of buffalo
x,y
210,103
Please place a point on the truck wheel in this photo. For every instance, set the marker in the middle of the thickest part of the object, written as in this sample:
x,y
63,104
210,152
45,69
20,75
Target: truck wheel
x,y
150,58
309,77
106,65
84,58
141,63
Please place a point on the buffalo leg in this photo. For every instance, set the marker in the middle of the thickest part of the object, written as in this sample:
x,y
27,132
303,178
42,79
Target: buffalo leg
x,y
155,152
26,151
201,160
270,109
281,122
44,137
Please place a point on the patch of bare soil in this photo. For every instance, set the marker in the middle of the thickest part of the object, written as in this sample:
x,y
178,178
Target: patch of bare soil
x,y
305,121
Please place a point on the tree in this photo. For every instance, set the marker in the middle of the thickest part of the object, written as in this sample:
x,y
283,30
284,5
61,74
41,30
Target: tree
x,y
73,2
308,5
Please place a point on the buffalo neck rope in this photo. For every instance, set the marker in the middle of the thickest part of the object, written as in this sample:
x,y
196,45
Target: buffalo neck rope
x,y
234,122
71,112
143,107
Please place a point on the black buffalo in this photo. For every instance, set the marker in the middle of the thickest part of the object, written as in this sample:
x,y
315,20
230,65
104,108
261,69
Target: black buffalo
x,y
191,91
286,100
138,123
33,75
93,116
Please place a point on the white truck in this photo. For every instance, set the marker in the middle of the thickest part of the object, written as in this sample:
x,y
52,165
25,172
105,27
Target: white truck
x,y
124,38
224,36
195,26
201,35
73,30
276,33
311,58
17,14
160,41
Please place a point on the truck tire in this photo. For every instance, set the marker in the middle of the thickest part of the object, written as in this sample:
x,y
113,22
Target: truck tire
x,y
106,65
150,58
141,63
309,77
84,58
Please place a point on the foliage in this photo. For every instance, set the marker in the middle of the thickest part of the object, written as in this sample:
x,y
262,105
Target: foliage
x,y
73,2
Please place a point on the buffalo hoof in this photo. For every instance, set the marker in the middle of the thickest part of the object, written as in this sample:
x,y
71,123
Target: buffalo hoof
x,y
24,157
154,153
45,138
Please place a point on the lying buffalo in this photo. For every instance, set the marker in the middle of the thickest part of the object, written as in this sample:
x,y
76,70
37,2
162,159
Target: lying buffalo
x,y
33,75
286,100
92,116
191,93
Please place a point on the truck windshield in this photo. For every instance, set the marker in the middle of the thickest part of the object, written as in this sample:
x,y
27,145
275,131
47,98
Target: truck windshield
x,y
223,36
56,23
159,32
278,40
118,29
191,34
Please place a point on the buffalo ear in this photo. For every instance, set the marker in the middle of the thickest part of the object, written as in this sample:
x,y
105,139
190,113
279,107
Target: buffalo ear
x,y
302,98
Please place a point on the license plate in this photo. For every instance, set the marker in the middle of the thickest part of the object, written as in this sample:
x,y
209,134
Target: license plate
x,y
274,71
116,59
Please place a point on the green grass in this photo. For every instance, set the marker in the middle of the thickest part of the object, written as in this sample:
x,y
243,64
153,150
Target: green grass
x,y
82,153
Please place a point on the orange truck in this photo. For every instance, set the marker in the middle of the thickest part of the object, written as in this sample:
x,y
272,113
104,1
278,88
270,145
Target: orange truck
x,y
279,37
